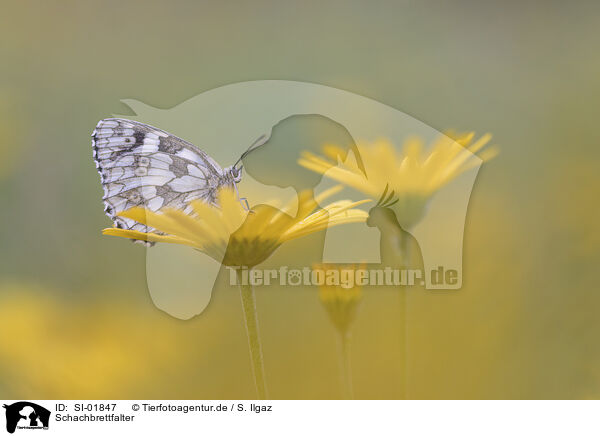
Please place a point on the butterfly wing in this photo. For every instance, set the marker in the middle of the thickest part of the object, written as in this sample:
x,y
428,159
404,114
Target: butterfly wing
x,y
141,165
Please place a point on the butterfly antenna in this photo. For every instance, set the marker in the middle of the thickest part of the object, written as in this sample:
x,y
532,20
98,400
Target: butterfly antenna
x,y
260,141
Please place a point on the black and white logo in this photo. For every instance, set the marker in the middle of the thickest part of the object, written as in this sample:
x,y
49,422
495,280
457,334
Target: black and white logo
x,y
26,415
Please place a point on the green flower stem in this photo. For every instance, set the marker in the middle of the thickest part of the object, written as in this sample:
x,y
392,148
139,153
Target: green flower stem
x,y
403,344
405,249
251,319
348,392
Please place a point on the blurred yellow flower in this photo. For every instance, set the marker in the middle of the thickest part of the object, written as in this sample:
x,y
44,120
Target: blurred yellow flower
x,y
340,295
88,348
413,176
340,301
234,236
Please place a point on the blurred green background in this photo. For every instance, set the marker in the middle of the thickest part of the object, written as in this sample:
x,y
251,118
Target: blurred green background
x,y
76,320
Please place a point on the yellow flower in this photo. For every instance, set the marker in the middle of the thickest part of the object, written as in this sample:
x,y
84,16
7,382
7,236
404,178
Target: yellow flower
x,y
84,348
413,176
339,293
232,235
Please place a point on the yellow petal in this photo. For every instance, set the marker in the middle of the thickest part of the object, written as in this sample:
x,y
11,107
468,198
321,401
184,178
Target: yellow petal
x,y
151,237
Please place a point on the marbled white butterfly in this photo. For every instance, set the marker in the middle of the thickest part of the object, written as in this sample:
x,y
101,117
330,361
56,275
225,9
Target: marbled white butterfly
x,y
141,165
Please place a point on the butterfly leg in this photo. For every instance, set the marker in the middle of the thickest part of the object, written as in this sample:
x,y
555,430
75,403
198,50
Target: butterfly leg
x,y
245,204
243,200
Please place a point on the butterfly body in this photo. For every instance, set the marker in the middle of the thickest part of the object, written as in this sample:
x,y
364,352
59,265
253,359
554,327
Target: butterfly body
x,y
144,166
